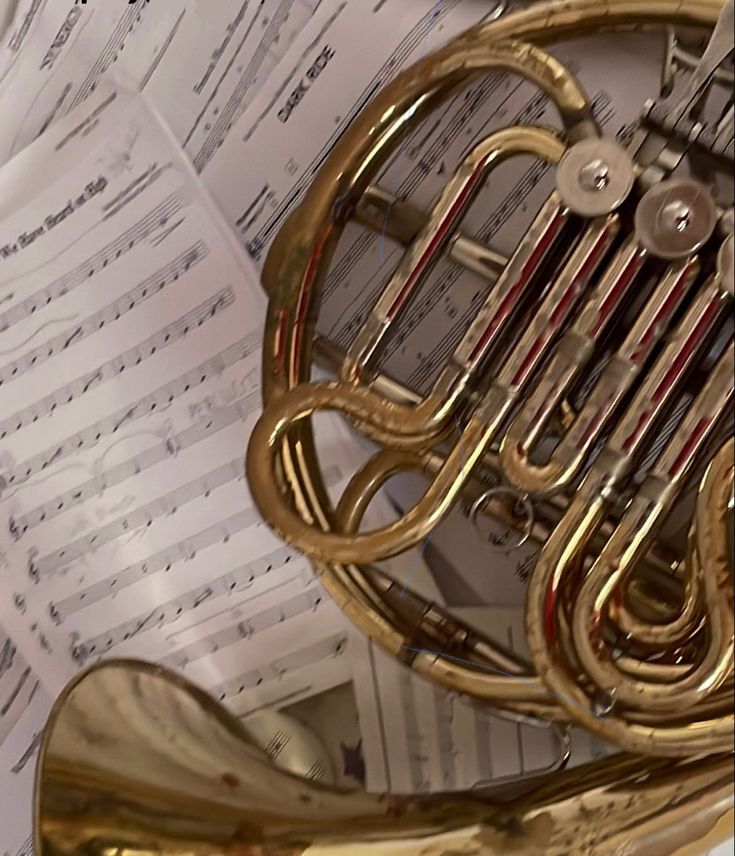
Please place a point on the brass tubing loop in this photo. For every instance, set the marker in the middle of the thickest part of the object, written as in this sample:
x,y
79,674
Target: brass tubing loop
x,y
620,644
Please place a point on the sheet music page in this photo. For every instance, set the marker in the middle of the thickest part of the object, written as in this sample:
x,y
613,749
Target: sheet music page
x,y
18,755
199,62
129,382
12,13
394,738
291,139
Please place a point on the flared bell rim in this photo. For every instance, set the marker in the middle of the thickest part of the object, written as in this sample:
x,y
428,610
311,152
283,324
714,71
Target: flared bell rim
x,y
209,705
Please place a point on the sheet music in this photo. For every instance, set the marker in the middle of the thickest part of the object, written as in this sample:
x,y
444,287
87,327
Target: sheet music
x,y
18,755
419,737
129,382
18,685
369,47
331,71
13,17
199,62
130,532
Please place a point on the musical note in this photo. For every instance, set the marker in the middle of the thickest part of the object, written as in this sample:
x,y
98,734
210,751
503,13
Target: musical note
x,y
110,52
257,623
220,419
162,560
25,849
7,655
28,754
236,580
154,284
334,645
115,366
91,435
15,692
144,516
97,262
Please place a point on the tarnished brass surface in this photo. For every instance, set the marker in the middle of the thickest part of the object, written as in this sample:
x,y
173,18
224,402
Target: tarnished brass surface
x,y
670,647
135,760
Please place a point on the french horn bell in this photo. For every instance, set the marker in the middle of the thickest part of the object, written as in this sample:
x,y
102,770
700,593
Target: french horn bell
x,y
627,642
136,761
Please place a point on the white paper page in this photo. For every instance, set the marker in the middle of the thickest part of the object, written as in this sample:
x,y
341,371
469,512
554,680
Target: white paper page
x,y
724,849
7,13
18,756
200,62
222,55
469,565
275,643
130,373
395,751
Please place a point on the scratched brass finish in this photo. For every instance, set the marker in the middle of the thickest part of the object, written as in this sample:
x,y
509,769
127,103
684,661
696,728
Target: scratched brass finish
x,y
135,761
618,651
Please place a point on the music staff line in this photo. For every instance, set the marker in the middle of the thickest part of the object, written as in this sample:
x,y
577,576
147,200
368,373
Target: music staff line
x,y
25,849
417,759
28,753
226,115
7,656
332,646
459,110
165,559
110,52
468,103
199,88
51,322
420,377
162,51
137,188
414,38
80,274
466,109
138,182
444,718
151,286
162,560
531,111
143,517
15,691
170,447
115,366
234,612
308,601
235,580
443,285
160,399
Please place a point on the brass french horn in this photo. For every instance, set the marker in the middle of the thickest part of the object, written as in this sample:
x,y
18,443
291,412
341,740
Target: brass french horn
x,y
642,666
633,646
